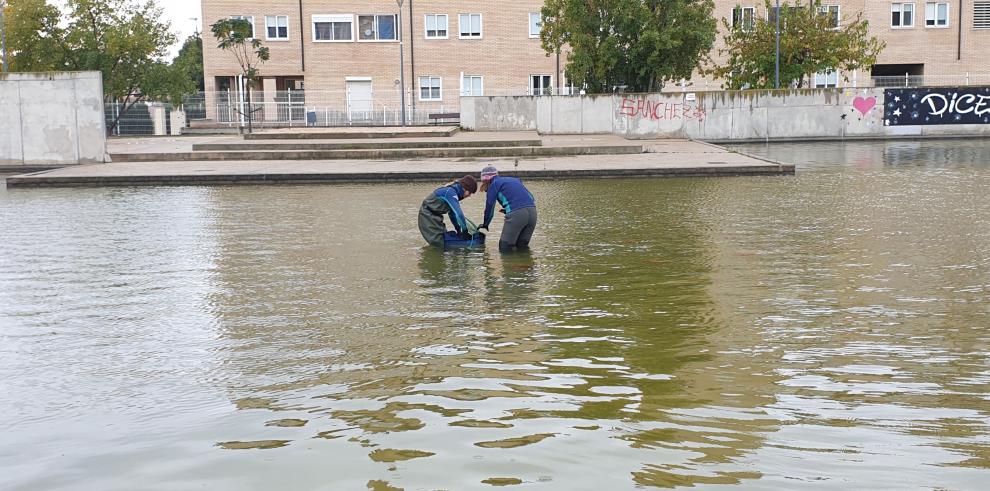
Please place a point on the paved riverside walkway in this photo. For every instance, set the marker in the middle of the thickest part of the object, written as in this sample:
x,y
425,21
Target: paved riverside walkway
x,y
661,158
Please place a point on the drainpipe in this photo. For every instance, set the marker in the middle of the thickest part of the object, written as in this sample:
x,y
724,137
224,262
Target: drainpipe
x,y
302,33
3,37
412,59
959,46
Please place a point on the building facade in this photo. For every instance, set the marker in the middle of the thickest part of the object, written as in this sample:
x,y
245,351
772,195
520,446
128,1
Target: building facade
x,y
341,59
934,43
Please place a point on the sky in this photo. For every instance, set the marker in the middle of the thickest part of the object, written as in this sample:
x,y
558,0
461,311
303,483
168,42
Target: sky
x,y
184,17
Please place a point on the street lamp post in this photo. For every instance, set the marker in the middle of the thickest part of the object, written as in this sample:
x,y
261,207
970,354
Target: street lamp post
x,y
776,80
3,37
402,71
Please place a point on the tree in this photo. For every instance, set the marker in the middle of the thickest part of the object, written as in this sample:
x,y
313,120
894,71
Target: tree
x,y
812,40
31,45
235,36
638,45
190,60
123,39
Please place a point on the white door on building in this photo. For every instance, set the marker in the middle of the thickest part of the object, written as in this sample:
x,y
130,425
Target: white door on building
x,y
359,100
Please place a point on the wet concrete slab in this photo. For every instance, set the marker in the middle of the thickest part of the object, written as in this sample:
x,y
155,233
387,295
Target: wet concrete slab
x,y
662,158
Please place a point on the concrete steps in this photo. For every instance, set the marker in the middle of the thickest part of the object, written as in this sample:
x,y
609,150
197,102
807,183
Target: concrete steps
x,y
239,147
380,154
210,131
331,134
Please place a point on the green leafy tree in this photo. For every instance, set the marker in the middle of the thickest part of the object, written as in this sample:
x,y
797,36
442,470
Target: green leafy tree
x,y
190,61
126,40
235,36
812,40
638,45
33,34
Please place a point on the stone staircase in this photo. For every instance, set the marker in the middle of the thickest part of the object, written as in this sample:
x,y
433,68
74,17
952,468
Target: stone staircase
x,y
373,144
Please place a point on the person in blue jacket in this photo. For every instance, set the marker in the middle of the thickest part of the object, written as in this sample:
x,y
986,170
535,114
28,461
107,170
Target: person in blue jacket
x,y
518,205
446,201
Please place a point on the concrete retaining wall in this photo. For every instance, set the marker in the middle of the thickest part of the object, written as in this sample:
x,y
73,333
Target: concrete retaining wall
x,y
51,119
712,116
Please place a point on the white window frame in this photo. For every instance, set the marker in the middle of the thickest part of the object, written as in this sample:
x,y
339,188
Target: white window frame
x,y
276,26
544,88
471,85
826,10
377,39
827,79
332,19
249,18
742,18
981,15
539,24
899,7
931,14
439,86
436,18
460,25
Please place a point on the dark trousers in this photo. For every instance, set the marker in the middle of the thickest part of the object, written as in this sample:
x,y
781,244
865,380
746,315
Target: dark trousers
x,y
518,229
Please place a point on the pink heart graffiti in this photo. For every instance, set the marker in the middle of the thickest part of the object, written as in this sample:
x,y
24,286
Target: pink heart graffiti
x,y
863,105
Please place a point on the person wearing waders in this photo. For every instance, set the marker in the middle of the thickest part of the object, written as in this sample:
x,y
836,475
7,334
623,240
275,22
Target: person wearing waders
x,y
518,205
446,201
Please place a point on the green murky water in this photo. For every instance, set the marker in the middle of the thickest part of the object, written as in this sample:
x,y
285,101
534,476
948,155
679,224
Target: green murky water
x,y
827,330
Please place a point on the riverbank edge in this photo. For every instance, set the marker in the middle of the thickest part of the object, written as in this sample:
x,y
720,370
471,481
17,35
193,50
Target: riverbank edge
x,y
698,165
32,180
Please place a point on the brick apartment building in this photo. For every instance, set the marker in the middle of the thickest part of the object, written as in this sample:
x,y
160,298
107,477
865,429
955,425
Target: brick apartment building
x,y
345,54
931,42
341,58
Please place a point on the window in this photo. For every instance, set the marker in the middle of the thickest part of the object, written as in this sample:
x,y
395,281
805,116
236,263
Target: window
x,y
743,18
430,88
276,27
376,28
772,14
832,11
436,26
902,15
333,28
472,85
540,85
936,14
981,15
535,24
470,25
249,18
826,79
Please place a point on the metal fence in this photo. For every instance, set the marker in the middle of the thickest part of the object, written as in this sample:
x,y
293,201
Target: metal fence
x,y
908,80
328,108
137,120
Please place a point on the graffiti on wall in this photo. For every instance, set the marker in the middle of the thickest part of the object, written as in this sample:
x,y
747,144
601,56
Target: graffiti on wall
x,y
936,105
646,109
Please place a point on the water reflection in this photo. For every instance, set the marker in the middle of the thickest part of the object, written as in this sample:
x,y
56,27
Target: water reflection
x,y
822,329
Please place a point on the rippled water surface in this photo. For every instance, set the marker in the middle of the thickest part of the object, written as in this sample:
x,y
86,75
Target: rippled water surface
x,y
827,330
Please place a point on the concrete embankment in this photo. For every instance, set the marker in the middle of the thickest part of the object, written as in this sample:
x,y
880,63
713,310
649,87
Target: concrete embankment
x,y
668,158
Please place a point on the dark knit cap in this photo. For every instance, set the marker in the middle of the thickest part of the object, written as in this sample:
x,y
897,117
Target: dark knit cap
x,y
469,184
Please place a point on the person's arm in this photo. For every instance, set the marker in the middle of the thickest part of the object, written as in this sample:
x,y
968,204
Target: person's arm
x,y
456,215
489,206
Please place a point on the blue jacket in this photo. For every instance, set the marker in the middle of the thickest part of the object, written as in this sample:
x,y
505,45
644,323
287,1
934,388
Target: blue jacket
x,y
452,196
510,193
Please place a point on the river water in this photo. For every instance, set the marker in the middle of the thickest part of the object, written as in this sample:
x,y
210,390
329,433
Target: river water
x,y
827,330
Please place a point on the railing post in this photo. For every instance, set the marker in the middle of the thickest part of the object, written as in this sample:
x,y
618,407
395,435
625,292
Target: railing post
x,y
907,80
